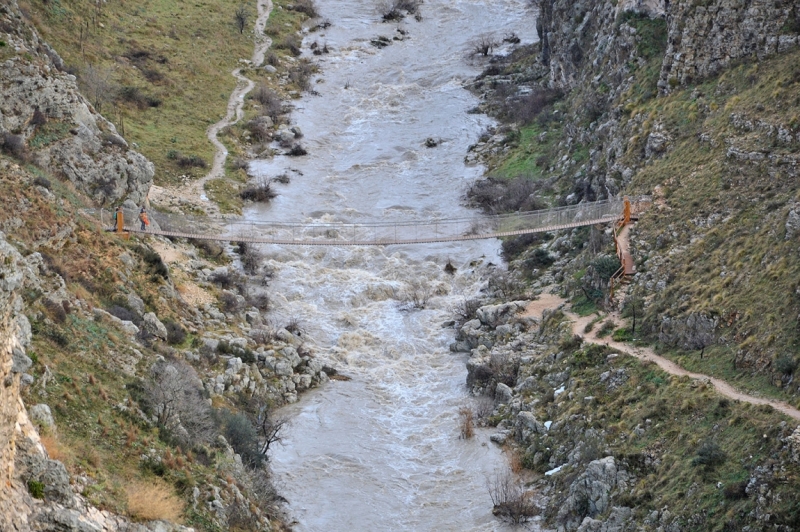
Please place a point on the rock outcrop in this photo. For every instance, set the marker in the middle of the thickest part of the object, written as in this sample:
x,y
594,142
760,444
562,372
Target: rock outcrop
x,y
706,37
62,132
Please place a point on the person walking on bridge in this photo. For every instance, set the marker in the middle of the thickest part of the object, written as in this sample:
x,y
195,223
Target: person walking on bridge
x,y
143,219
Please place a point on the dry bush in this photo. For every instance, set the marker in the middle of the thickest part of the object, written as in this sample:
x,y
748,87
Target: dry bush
x,y
13,145
271,104
510,499
305,6
261,301
261,191
466,422
483,46
301,74
55,451
417,294
229,302
498,196
466,309
152,501
525,109
484,407
174,394
290,43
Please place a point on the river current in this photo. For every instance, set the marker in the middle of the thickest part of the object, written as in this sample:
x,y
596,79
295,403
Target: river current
x,y
382,451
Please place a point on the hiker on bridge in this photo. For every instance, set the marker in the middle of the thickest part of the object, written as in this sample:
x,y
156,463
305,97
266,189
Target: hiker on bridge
x,y
143,219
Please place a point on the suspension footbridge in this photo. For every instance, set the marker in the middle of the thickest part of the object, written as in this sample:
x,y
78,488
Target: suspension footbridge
x,y
341,233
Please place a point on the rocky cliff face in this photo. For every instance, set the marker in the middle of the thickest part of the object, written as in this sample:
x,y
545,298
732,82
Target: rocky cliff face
x,y
706,37
581,40
45,119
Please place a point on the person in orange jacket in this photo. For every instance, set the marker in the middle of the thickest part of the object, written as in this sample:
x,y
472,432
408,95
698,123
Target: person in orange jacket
x,y
143,219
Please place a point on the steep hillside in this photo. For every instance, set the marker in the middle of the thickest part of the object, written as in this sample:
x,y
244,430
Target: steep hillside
x,y
717,148
695,104
147,367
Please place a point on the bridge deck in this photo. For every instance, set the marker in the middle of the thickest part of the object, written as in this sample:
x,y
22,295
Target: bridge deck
x,y
321,233
380,242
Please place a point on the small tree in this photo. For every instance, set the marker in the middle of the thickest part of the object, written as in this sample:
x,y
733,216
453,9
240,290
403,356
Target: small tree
x,y
175,396
240,17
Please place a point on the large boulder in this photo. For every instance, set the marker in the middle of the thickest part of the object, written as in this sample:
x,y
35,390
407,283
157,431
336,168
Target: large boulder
x,y
590,493
153,327
494,315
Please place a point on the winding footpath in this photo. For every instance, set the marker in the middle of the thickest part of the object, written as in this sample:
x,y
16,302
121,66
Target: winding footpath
x,y
195,192
551,301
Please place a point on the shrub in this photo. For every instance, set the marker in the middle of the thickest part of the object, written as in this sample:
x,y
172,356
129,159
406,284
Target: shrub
x,y
224,278
466,308
483,46
511,501
123,313
190,161
230,302
153,500
176,334
42,182
709,455
135,96
540,258
38,118
249,256
305,6
466,423
301,74
606,328
209,248
154,262
260,301
785,364
297,150
271,104
36,489
525,109
260,192
56,310
513,247
496,196
174,394
290,43
13,145
736,491
622,334
242,436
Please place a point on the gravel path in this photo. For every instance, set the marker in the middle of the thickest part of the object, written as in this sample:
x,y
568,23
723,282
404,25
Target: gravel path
x,y
645,353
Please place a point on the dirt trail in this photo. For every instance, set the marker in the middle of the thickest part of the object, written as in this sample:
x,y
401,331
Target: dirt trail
x,y
645,353
194,193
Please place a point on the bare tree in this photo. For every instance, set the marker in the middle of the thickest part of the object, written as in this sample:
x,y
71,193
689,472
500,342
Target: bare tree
x,y
98,85
483,46
270,428
510,499
175,396
240,17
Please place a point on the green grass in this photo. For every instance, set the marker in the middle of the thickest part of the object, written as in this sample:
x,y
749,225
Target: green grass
x,y
186,51
678,416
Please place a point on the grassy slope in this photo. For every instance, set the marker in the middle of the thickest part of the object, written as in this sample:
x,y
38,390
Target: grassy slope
x,y
674,418
78,359
739,267
179,53
721,214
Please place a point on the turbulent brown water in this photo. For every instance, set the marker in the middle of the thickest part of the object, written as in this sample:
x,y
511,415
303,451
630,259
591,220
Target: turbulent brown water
x,y
381,452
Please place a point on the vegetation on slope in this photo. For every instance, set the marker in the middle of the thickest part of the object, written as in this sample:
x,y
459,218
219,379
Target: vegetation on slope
x,y
720,159
161,70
